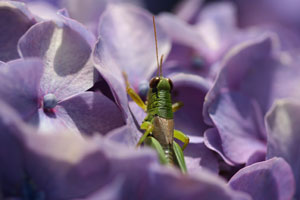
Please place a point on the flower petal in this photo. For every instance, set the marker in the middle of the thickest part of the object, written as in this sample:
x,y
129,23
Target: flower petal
x,y
240,129
19,85
213,141
198,156
65,46
11,167
283,128
15,20
189,10
113,76
164,183
86,113
216,25
127,33
43,10
190,90
271,179
65,165
260,71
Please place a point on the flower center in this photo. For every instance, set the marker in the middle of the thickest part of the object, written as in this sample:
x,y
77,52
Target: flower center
x,y
49,101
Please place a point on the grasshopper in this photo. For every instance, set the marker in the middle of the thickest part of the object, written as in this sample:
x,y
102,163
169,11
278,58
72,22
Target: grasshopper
x,y
159,123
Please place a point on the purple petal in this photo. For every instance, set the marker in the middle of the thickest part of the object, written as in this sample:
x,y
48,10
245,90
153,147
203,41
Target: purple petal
x,y
15,20
239,124
138,112
42,10
113,76
127,33
189,10
216,24
260,71
165,183
11,167
213,141
214,32
198,156
257,156
190,90
271,179
65,165
89,11
19,85
86,113
269,12
65,46
180,31
282,123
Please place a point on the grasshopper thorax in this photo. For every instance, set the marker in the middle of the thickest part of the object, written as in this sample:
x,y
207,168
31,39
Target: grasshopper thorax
x,y
161,83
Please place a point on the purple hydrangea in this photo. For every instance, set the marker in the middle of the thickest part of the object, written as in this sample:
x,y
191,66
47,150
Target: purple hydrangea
x,y
68,129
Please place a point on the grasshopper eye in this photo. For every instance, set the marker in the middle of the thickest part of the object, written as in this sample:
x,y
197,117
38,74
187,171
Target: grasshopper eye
x,y
154,81
171,84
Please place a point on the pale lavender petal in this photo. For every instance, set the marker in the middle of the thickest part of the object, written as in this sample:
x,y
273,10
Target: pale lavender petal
x,y
180,31
15,20
42,10
271,179
282,123
216,25
127,33
198,156
86,113
238,123
113,76
189,10
213,141
65,46
19,85
91,112
89,12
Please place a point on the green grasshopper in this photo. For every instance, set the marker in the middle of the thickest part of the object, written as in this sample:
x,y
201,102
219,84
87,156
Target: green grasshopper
x,y
159,123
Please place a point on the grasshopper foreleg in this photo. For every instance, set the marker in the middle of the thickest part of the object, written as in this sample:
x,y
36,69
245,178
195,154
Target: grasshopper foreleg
x,y
148,126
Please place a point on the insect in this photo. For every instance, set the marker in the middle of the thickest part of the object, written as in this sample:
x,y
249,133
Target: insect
x,y
159,123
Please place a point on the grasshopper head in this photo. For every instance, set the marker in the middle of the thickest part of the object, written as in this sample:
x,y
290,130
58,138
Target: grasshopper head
x,y
161,83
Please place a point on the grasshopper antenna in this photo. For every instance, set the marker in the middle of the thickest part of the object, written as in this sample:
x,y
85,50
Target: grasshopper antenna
x,y
161,61
156,45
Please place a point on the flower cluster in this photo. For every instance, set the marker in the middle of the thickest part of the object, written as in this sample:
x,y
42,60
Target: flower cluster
x,y
68,129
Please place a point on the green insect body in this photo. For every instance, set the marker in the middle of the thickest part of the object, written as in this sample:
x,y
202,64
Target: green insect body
x,y
159,123
159,109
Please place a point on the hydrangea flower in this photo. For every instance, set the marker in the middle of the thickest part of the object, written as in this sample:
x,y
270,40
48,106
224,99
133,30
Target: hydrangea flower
x,y
52,93
198,47
241,103
99,168
254,75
